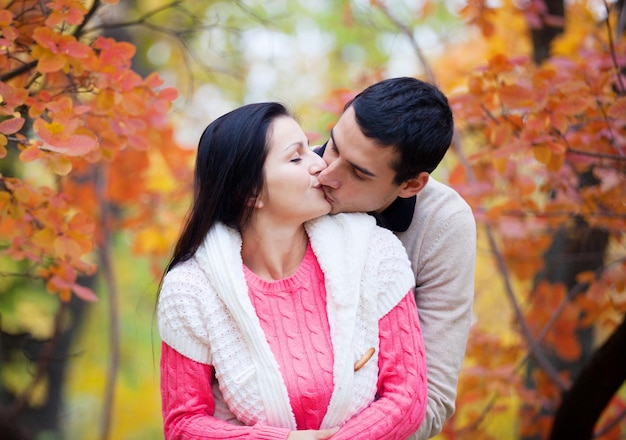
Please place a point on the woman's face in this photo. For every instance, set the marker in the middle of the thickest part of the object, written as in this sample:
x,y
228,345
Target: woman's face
x,y
292,193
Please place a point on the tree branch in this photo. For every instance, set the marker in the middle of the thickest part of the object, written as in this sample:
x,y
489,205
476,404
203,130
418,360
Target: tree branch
x,y
404,29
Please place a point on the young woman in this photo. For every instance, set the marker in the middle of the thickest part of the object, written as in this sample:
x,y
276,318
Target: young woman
x,y
277,320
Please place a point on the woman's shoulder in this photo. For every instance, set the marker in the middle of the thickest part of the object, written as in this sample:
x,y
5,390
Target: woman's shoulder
x,y
186,277
188,270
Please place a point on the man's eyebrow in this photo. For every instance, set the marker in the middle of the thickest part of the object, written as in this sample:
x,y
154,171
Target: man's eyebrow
x,y
352,164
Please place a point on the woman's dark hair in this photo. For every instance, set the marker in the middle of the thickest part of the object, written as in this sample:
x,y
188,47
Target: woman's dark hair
x,y
410,115
228,174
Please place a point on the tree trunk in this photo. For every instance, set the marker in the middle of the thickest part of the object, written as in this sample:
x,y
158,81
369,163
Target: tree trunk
x,y
582,405
542,37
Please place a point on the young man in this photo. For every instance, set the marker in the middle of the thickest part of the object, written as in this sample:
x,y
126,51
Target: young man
x,y
380,155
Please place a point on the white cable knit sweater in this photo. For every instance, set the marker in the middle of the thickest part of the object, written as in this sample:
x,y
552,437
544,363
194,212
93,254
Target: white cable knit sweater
x,y
367,273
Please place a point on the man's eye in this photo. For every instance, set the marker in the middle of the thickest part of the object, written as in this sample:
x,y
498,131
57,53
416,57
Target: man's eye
x,y
357,176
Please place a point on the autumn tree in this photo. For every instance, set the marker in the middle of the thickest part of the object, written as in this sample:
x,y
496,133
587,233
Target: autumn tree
x,y
86,150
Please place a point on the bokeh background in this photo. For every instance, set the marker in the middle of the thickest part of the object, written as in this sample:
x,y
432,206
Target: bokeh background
x,y
537,87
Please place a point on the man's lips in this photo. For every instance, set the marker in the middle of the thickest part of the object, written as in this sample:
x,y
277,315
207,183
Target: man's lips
x,y
329,199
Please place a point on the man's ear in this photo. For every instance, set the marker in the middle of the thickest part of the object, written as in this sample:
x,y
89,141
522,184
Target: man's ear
x,y
412,186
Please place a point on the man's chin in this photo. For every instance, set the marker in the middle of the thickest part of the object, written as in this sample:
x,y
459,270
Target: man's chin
x,y
335,208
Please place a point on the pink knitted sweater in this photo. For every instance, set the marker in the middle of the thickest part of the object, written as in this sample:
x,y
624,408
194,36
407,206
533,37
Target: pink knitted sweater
x,y
299,337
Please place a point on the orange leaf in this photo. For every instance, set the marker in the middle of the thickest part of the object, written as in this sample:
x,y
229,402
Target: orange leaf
x,y
500,164
66,247
500,134
586,277
153,80
76,49
76,145
6,18
52,133
516,96
82,224
573,105
542,154
51,62
10,126
30,153
46,37
168,93
618,108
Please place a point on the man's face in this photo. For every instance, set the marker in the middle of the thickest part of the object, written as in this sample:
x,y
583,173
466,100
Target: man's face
x,y
359,176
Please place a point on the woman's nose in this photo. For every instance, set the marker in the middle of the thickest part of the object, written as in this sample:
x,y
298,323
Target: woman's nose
x,y
318,164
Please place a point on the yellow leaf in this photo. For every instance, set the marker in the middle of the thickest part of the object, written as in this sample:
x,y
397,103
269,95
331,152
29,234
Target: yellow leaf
x,y
5,198
59,164
35,319
44,238
150,241
542,154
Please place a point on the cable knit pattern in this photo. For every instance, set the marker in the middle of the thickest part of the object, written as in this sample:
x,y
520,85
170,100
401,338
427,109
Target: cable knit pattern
x,y
299,336
211,319
188,404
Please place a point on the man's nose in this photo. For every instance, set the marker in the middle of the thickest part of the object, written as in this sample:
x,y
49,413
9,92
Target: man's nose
x,y
327,176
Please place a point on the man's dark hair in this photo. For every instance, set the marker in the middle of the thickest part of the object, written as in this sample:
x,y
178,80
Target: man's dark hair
x,y
410,115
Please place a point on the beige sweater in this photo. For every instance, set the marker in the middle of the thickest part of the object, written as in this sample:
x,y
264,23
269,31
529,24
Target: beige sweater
x,y
441,244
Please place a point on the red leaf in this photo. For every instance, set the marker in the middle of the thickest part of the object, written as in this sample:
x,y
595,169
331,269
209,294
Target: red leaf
x,y
84,293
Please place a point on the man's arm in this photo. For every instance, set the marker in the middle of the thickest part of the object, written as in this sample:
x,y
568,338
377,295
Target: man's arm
x,y
443,255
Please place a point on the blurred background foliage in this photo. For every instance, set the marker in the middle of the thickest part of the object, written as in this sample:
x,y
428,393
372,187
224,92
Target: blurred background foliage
x,y
314,56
